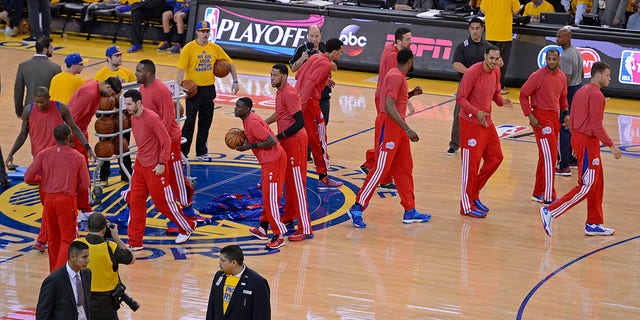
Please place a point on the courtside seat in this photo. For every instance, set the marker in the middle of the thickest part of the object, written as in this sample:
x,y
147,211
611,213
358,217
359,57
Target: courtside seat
x,y
56,9
72,10
125,17
100,14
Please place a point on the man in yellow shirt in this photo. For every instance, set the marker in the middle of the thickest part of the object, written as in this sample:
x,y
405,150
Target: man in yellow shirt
x,y
114,67
64,84
499,27
535,7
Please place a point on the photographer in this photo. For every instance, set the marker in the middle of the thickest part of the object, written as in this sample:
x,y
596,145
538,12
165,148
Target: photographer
x,y
104,261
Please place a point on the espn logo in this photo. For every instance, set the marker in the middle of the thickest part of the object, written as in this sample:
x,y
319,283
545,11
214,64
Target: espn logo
x,y
439,48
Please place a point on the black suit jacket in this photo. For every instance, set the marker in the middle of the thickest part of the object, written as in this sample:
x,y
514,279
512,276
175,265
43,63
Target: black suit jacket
x,y
57,301
250,300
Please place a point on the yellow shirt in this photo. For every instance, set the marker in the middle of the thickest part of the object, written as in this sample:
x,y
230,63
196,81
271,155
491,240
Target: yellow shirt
x,y
229,286
123,73
103,278
63,85
574,3
531,10
499,18
197,62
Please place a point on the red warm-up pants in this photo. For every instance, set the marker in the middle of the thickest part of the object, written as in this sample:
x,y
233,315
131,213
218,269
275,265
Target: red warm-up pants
x,y
393,159
273,176
61,214
180,186
83,195
590,180
371,156
42,235
547,140
295,191
317,134
144,181
477,143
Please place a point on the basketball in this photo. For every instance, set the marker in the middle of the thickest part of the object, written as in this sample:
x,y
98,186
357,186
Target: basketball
x,y
116,146
104,149
126,124
221,68
104,125
190,88
108,103
235,138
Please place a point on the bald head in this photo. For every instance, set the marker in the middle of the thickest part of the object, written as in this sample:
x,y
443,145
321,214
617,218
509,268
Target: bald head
x,y
314,35
563,37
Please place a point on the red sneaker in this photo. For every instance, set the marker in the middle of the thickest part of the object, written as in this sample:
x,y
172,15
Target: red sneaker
x,y
299,236
566,172
327,183
275,243
259,233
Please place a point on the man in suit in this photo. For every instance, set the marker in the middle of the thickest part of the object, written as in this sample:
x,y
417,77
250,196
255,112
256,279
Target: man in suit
x,y
65,293
238,292
33,73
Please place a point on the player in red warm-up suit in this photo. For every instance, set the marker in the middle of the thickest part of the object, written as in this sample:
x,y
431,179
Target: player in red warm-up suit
x,y
149,174
293,139
312,77
158,99
587,131
61,172
394,150
273,162
478,136
547,89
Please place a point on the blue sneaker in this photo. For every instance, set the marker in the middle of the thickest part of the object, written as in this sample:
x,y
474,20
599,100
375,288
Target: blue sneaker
x,y
475,214
547,219
135,48
123,8
597,230
413,216
480,206
355,213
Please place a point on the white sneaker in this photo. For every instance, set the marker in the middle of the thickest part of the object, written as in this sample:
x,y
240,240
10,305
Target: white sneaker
x,y
205,158
84,216
132,248
547,220
182,238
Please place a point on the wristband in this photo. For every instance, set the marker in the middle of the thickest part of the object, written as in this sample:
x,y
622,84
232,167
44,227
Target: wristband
x,y
235,81
253,146
407,131
87,146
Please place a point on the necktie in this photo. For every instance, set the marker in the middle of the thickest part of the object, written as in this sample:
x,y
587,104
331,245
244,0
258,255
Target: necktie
x,y
79,290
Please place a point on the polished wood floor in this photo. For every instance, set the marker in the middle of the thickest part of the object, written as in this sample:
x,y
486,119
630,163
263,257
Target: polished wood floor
x,y
454,267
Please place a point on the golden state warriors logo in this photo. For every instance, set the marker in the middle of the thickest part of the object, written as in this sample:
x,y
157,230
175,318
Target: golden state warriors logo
x,y
20,210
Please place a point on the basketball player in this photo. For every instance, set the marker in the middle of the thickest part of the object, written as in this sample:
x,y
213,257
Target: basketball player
x,y
159,100
61,172
394,155
312,77
587,132
478,136
196,63
149,174
542,97
273,162
388,61
293,139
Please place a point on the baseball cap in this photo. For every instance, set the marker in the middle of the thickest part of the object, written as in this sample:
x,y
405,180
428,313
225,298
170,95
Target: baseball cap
x,y
74,58
113,50
203,25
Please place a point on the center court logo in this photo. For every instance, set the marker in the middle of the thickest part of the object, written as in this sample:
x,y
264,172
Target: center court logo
x,y
353,43
21,208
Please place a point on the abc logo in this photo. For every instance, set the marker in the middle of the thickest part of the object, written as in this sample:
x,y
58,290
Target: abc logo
x,y
353,44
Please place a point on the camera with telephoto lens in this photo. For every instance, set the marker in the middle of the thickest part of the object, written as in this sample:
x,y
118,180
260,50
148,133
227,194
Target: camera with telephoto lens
x,y
107,232
310,49
119,296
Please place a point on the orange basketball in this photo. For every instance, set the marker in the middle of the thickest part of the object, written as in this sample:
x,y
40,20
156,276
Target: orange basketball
x,y
116,145
104,125
126,122
108,103
221,68
235,138
190,88
104,149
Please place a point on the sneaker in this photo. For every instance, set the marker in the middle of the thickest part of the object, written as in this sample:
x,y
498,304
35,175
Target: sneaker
x,y
276,242
84,216
388,187
566,172
30,39
259,233
176,49
547,219
413,216
12,32
480,206
291,225
7,29
539,199
40,246
573,164
299,236
364,169
123,8
204,158
504,91
182,238
134,248
475,214
355,213
597,230
451,152
164,46
135,48
327,183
